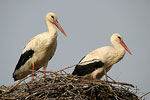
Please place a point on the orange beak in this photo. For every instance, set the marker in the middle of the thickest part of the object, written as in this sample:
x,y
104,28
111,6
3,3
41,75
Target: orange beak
x,y
59,27
124,45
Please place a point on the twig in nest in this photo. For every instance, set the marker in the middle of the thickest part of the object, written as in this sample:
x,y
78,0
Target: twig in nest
x,y
6,98
106,76
15,85
47,72
28,87
31,95
102,82
144,95
66,68
3,90
75,65
65,87
110,88
122,83
111,78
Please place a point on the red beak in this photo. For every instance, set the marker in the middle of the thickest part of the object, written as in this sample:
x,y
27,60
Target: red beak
x,y
124,45
59,27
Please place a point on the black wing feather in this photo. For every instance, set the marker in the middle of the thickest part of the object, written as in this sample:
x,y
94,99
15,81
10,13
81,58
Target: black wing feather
x,y
24,58
82,70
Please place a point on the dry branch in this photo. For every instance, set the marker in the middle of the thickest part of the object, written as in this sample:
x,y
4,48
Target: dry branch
x,y
62,86
59,86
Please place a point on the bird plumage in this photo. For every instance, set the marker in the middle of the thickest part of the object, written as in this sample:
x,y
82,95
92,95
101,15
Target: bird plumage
x,y
101,58
87,68
39,50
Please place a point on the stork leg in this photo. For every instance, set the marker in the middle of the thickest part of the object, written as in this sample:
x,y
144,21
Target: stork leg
x,y
94,77
44,68
106,76
32,72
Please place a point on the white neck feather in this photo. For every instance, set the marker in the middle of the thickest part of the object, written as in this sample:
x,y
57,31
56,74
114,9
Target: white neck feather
x,y
51,28
120,51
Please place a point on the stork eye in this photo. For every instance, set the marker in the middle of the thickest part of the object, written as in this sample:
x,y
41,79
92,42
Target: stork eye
x,y
119,37
52,17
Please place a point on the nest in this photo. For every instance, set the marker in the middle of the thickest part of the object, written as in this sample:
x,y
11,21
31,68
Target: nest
x,y
63,86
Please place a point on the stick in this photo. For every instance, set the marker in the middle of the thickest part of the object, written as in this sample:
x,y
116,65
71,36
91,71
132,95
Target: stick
x,y
15,85
106,76
144,95
121,83
75,65
110,88
3,90
5,98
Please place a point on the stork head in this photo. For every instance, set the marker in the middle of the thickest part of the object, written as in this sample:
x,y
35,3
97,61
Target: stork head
x,y
116,39
52,18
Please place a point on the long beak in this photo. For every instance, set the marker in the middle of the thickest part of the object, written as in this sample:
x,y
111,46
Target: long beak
x,y
124,45
59,27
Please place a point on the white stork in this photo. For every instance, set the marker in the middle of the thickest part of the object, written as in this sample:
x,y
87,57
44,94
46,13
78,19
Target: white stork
x,y
94,64
39,50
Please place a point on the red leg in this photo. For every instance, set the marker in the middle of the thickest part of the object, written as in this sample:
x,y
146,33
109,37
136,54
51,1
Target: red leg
x,y
32,72
44,68
94,77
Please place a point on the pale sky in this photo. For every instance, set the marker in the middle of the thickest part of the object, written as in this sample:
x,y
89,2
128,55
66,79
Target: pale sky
x,y
88,24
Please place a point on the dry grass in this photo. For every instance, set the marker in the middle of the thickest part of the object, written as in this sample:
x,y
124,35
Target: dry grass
x,y
62,86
